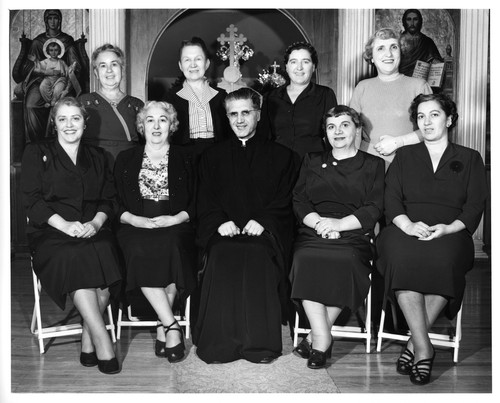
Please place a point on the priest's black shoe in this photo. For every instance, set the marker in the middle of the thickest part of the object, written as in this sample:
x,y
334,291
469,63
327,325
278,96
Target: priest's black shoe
x,y
303,349
108,366
88,359
267,360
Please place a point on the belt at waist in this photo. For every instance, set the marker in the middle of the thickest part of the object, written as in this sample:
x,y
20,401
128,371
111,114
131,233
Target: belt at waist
x,y
156,198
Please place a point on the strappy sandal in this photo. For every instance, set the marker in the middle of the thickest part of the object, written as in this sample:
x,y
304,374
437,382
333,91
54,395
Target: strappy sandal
x,y
421,371
159,346
405,362
176,353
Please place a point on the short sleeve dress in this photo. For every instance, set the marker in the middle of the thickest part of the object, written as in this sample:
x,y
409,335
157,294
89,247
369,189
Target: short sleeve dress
x,y
456,191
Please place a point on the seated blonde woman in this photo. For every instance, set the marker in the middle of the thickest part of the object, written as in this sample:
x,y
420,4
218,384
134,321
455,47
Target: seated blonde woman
x,y
155,185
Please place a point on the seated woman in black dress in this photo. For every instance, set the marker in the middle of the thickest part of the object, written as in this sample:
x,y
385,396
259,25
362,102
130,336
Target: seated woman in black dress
x,y
155,185
434,197
338,198
69,195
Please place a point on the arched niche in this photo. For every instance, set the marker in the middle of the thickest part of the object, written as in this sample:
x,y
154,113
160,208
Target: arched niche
x,y
268,33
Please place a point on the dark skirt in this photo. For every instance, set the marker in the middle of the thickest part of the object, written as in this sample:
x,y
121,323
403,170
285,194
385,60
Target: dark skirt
x,y
65,264
428,267
333,272
160,256
240,311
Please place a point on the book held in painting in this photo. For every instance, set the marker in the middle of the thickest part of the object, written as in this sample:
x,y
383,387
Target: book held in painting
x,y
432,73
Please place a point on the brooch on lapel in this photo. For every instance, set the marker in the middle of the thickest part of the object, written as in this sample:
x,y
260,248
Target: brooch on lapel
x,y
44,158
456,166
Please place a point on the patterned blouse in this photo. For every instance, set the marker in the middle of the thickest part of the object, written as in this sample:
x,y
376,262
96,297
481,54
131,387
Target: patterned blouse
x,y
153,179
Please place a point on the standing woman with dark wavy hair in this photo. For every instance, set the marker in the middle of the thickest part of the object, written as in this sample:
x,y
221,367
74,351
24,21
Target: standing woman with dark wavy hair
x,y
292,113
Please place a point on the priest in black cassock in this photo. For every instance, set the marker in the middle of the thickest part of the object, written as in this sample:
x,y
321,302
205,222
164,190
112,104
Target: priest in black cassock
x,y
245,230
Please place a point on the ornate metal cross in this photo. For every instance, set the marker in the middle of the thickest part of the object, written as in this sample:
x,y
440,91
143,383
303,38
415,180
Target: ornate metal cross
x,y
232,39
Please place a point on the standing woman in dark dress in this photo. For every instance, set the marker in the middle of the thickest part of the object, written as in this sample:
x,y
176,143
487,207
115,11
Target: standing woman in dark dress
x,y
155,185
434,198
338,198
68,193
112,112
292,114
244,229
199,105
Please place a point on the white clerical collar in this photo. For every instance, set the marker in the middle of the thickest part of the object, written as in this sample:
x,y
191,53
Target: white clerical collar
x,y
244,141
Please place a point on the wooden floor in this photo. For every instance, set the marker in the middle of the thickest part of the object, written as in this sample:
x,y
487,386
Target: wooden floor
x,y
351,369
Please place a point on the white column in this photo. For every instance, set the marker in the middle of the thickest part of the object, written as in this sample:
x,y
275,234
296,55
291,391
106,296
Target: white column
x,y
355,27
106,26
472,85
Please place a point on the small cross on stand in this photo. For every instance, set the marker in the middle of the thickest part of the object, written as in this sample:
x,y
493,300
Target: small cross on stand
x,y
274,66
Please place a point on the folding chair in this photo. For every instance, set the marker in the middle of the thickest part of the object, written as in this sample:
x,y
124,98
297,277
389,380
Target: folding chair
x,y
446,340
356,332
57,331
134,321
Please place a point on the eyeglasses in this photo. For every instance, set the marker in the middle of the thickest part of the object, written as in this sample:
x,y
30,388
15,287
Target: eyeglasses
x,y
245,113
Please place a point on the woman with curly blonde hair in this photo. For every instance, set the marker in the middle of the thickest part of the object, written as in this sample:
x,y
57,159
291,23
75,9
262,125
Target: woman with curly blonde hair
x,y
155,184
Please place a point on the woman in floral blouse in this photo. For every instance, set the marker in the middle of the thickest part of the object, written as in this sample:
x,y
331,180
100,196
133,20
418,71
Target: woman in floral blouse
x,y
155,185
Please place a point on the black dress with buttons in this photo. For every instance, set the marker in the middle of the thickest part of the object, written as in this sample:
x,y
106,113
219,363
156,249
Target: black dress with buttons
x,y
160,256
52,184
335,272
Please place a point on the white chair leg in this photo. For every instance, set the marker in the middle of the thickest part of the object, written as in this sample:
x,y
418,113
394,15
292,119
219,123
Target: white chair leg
x,y
119,322
111,326
296,330
368,324
187,317
381,329
458,334
33,321
38,313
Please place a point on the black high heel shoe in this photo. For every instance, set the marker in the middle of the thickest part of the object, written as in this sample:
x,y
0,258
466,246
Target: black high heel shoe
x,y
108,366
88,359
421,371
303,349
405,362
176,353
159,346
318,358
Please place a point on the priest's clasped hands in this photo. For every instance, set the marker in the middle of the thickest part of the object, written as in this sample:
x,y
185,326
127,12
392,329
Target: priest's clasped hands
x,y
252,228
